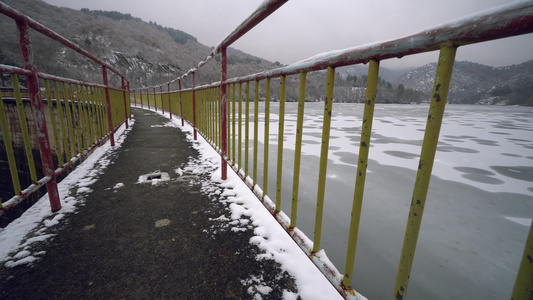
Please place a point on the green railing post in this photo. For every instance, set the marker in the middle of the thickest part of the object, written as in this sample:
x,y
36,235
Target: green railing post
x,y
280,142
523,287
328,105
233,137
298,149
266,137
53,121
246,126
425,166
59,108
256,130
9,148
240,126
70,124
24,127
362,161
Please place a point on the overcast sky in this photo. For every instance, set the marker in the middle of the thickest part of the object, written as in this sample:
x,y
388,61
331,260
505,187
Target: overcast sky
x,y
303,28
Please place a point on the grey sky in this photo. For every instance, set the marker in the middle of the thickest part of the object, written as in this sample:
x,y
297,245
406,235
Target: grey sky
x,y
303,28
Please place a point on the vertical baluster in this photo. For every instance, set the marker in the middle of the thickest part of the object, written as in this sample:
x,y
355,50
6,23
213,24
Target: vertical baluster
x,y
240,126
53,121
141,96
233,124
66,97
256,130
425,166
87,116
24,127
64,130
4,127
281,125
161,98
266,138
155,98
246,127
523,288
298,149
328,105
362,162
169,102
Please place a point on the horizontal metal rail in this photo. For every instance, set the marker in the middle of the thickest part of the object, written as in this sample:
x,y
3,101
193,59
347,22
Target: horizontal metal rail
x,y
205,107
20,71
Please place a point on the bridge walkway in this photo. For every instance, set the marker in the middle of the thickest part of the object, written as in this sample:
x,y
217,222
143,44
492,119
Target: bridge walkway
x,y
112,249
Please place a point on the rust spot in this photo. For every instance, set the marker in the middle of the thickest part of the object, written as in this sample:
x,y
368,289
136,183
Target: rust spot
x,y
437,96
399,296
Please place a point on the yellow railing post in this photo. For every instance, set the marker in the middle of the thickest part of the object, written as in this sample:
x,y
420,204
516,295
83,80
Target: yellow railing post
x,y
96,118
53,121
328,105
298,149
86,115
100,111
256,130
216,101
24,127
9,149
81,119
425,166
233,124
59,108
240,126
212,115
66,97
246,126
362,161
76,118
266,138
523,287
280,142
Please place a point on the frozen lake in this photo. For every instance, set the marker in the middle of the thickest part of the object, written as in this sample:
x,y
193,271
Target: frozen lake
x,y
479,205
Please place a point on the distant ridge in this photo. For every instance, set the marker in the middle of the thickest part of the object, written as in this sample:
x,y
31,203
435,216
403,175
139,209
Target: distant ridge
x,y
474,83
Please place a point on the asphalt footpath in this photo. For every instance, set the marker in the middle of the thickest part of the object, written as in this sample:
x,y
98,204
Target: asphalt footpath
x,y
146,241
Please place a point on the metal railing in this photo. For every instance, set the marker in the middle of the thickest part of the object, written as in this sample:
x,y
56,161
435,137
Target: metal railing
x,y
208,110
79,115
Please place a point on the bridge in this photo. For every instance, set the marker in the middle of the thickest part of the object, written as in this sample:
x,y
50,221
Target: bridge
x,y
74,118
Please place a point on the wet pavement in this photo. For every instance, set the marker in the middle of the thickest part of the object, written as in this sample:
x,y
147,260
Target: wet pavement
x,y
143,241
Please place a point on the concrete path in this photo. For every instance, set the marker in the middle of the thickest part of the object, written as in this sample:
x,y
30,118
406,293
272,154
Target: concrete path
x,y
145,242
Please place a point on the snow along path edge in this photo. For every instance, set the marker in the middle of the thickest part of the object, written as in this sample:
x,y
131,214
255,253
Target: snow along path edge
x,y
269,235
34,224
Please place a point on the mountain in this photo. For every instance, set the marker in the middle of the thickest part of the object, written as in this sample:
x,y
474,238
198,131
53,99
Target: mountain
x,y
147,53
474,83
150,54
